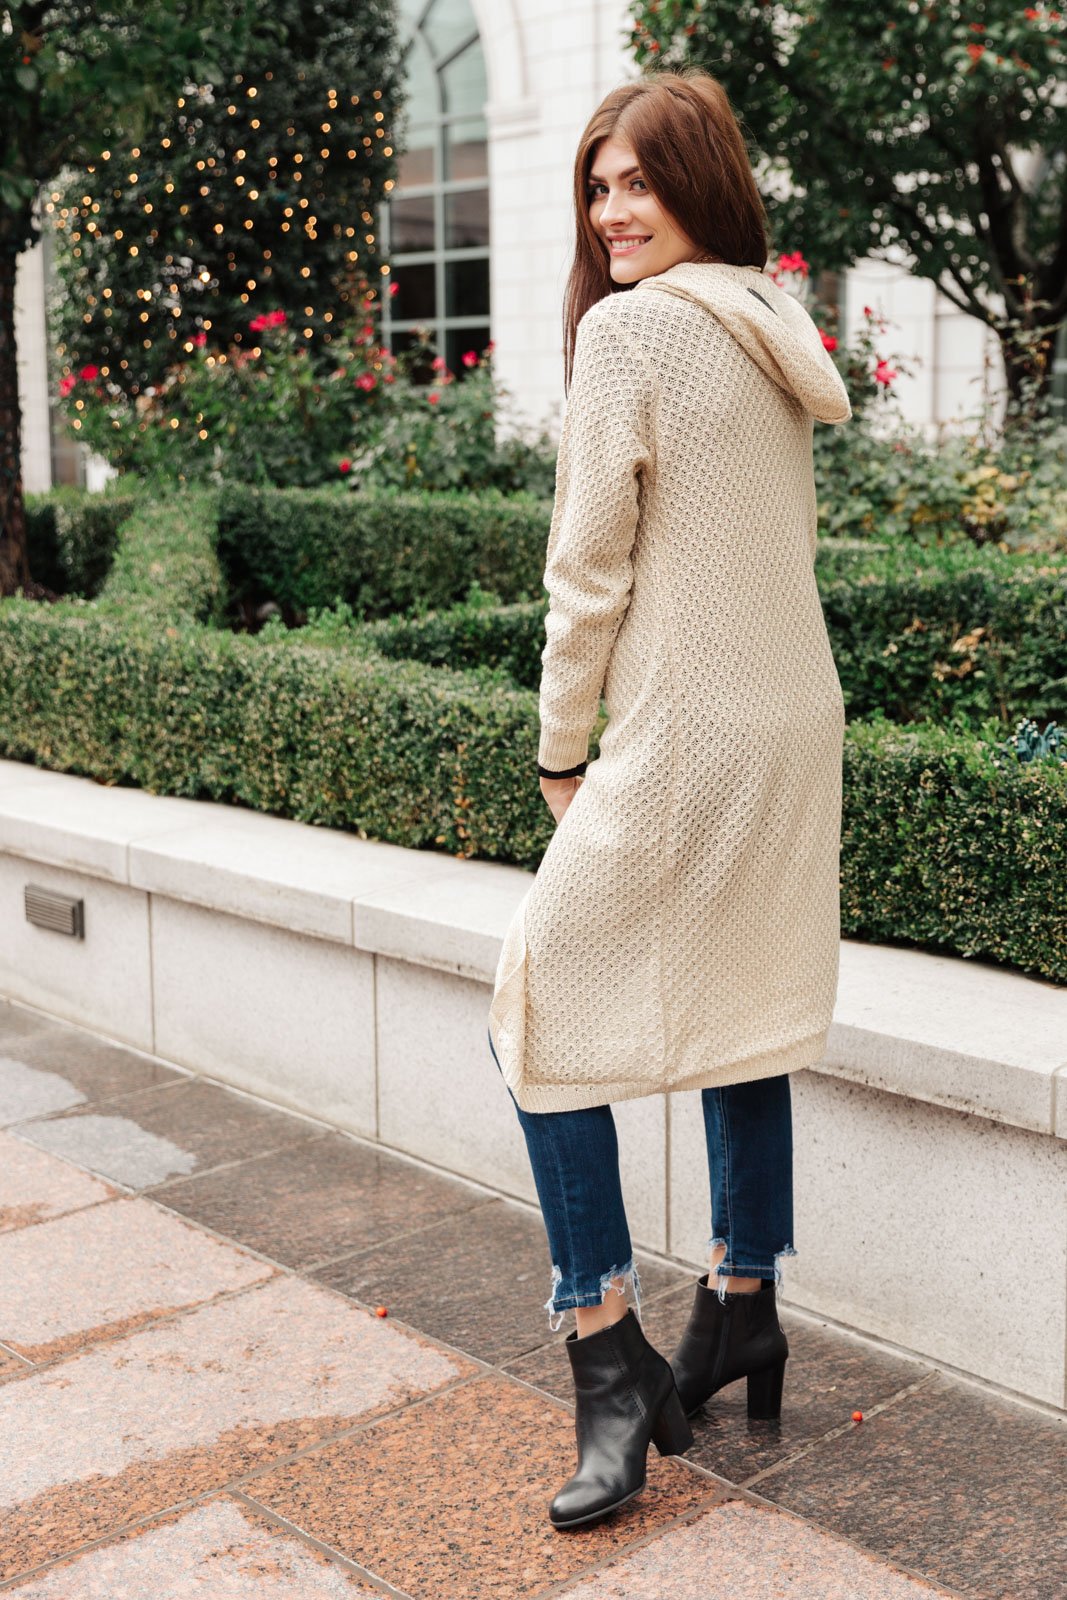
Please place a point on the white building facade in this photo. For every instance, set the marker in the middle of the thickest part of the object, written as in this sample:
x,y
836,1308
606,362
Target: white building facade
x,y
479,229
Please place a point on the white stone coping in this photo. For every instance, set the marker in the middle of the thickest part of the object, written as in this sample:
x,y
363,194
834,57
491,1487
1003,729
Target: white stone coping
x,y
962,1034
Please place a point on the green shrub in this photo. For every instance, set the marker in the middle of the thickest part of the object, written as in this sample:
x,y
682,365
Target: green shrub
x,y
164,565
379,551
949,840
960,490
920,645
951,844
946,842
71,536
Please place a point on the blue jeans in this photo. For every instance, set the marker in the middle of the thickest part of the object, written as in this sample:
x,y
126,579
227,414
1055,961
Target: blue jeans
x,y
575,1159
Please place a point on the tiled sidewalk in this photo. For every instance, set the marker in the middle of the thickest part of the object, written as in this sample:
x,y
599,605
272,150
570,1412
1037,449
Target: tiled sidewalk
x,y
198,1398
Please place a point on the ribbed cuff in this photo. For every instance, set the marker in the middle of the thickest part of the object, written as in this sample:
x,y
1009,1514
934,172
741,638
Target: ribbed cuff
x,y
559,752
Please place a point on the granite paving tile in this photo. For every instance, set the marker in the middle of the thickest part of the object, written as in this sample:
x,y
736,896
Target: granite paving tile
x,y
827,1377
11,1365
100,1273
52,1069
148,1137
961,1485
479,1283
744,1550
138,1425
219,1550
35,1186
18,1023
320,1199
449,1500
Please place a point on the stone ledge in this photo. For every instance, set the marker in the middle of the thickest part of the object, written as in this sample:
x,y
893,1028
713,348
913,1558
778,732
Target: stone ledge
x,y
969,1036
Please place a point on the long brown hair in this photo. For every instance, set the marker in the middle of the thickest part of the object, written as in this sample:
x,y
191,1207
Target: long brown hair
x,y
687,139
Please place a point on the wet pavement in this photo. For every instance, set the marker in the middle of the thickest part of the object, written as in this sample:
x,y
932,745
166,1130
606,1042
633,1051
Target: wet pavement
x,y
198,1394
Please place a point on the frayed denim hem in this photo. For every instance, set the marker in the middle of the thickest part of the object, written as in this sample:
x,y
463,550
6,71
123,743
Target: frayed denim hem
x,y
557,1304
740,1269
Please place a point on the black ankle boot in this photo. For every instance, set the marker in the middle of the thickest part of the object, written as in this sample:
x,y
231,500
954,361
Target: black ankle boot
x,y
624,1397
738,1339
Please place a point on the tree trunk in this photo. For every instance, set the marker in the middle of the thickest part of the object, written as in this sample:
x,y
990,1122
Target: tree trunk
x,y
1028,356
14,560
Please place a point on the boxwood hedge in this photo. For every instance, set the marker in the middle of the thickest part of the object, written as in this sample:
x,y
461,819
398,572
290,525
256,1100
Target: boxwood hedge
x,y
947,842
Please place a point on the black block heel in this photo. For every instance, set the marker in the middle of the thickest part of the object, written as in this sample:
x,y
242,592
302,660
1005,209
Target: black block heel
x,y
671,1433
765,1393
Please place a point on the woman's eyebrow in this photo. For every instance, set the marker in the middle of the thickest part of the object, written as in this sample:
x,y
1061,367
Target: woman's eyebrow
x,y
595,177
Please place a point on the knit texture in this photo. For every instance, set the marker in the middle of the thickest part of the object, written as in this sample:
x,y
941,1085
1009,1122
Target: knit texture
x,y
682,929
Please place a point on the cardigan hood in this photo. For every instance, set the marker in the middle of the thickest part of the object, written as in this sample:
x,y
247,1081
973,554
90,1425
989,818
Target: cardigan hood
x,y
769,324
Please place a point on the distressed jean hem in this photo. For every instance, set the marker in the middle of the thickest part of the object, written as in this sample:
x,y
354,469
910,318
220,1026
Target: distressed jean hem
x,y
741,1269
557,1302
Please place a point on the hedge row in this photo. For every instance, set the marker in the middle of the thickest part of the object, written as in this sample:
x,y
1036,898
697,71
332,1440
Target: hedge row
x,y
71,536
922,646
945,843
379,551
383,551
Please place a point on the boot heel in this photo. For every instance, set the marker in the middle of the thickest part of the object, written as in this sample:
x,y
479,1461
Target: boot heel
x,y
671,1433
765,1393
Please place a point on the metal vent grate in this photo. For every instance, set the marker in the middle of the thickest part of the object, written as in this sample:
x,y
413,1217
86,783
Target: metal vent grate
x,y
62,913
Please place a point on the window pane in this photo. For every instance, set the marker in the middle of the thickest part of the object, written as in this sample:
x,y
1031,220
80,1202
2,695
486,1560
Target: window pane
x,y
415,136
466,149
463,84
411,223
448,24
410,12
415,296
417,164
466,219
466,288
458,341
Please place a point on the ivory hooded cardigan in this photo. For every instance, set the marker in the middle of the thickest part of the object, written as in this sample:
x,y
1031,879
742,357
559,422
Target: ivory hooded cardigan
x,y
682,929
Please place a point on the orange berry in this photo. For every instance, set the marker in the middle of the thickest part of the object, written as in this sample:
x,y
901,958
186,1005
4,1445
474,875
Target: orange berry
x,y
857,1416
381,1312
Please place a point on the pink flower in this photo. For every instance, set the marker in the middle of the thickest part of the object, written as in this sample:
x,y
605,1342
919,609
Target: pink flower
x,y
470,358
268,319
828,340
66,384
366,380
89,373
793,263
438,363
867,312
884,373
200,339
394,288
433,398
344,466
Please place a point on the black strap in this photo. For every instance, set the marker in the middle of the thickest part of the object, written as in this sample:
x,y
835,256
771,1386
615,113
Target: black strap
x,y
571,772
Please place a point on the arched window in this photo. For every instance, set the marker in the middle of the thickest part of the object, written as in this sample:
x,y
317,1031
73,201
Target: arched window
x,y
435,225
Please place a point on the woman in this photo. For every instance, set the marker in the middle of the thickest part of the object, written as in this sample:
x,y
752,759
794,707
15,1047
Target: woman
x,y
682,929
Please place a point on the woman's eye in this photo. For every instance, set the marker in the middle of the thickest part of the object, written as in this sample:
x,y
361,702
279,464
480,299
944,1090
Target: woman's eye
x,y
594,187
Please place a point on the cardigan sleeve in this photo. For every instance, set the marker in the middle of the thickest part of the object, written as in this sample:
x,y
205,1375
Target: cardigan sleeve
x,y
604,444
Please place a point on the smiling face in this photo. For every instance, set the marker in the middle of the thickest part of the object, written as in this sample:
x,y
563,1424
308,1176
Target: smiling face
x,y
622,208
